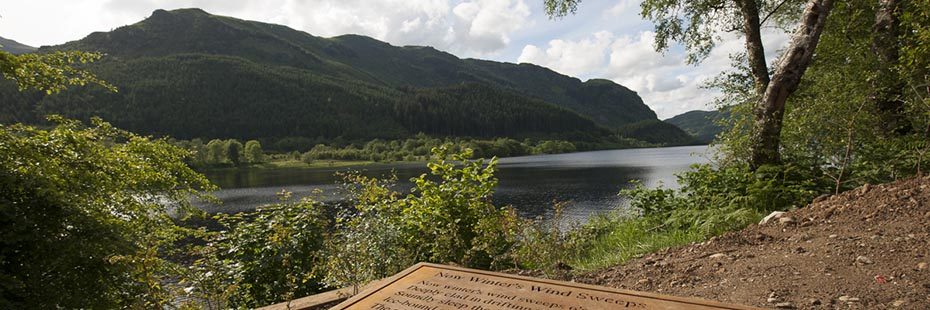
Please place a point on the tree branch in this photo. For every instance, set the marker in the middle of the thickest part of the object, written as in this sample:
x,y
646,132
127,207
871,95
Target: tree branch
x,y
777,7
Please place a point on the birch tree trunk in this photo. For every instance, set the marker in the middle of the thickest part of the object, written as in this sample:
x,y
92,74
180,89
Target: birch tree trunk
x,y
769,112
754,49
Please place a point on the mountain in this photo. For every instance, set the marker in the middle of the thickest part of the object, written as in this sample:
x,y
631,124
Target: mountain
x,y
14,47
700,124
658,132
187,73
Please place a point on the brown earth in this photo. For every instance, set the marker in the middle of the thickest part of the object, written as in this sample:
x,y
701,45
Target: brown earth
x,y
867,248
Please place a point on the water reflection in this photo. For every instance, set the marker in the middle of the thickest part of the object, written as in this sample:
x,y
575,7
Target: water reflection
x,y
587,181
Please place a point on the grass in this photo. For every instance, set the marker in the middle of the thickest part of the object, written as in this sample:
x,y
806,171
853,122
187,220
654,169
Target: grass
x,y
627,238
613,239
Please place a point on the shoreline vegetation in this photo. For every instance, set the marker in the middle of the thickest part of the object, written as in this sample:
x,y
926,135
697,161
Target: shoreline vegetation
x,y
231,154
95,217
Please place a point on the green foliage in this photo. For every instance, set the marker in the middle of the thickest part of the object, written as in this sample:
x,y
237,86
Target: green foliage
x,y
448,218
51,72
915,50
554,147
831,124
710,201
713,200
560,8
233,151
369,242
253,152
87,216
216,151
546,244
658,132
289,250
352,87
697,24
704,126
271,254
454,219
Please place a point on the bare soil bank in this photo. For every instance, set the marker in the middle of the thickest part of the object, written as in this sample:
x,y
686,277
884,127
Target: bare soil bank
x,y
867,248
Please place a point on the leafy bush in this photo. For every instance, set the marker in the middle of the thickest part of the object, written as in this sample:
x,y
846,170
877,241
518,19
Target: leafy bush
x,y
86,216
448,218
719,199
273,253
289,250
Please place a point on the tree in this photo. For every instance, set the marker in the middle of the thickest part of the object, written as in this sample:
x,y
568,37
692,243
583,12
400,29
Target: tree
x,y
887,86
765,138
216,151
52,72
233,151
84,216
696,23
253,152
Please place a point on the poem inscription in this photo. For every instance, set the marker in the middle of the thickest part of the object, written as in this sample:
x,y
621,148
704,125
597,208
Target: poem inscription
x,y
434,287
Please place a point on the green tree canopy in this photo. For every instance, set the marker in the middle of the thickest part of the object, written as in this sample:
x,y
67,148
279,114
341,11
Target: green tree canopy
x,y
85,215
233,151
52,72
253,152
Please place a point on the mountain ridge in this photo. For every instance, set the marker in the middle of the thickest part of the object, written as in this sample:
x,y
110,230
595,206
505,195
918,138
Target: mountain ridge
x,y
368,75
14,47
701,124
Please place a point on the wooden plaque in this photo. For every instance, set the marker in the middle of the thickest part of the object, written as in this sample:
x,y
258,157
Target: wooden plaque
x,y
432,287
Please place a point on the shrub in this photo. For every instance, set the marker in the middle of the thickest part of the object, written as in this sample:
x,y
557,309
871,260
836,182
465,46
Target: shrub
x,y
86,215
265,256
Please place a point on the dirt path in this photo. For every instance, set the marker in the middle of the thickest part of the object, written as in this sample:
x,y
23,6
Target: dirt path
x,y
867,248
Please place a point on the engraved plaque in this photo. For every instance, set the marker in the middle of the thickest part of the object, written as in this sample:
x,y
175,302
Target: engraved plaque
x,y
432,287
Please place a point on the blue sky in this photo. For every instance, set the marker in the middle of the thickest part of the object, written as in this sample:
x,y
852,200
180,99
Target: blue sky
x,y
605,39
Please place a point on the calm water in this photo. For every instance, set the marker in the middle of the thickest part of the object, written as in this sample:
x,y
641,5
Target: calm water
x,y
587,181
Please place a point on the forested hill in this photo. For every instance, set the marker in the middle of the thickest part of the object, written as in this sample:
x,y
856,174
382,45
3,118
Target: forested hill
x,y
14,47
700,124
187,73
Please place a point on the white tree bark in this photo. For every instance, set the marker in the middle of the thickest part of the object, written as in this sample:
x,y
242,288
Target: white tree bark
x,y
769,112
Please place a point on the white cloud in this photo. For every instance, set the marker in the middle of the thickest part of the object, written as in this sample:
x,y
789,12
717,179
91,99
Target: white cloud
x,y
470,27
484,26
665,81
570,57
605,40
623,7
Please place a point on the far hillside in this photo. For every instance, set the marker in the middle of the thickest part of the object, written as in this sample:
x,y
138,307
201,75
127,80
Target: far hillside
x,y
703,125
14,47
190,74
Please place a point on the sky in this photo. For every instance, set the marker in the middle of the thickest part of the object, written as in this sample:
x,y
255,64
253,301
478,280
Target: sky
x,y
604,39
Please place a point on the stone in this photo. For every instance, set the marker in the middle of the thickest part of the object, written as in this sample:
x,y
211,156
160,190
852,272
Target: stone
x,y
863,260
786,220
771,216
898,303
773,298
784,305
922,266
832,236
718,256
845,298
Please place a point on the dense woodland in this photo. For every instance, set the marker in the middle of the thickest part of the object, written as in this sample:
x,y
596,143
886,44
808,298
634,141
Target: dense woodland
x,y
187,74
96,217
704,126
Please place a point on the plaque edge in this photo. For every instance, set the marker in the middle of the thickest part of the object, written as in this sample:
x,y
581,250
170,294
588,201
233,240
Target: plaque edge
x,y
687,300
